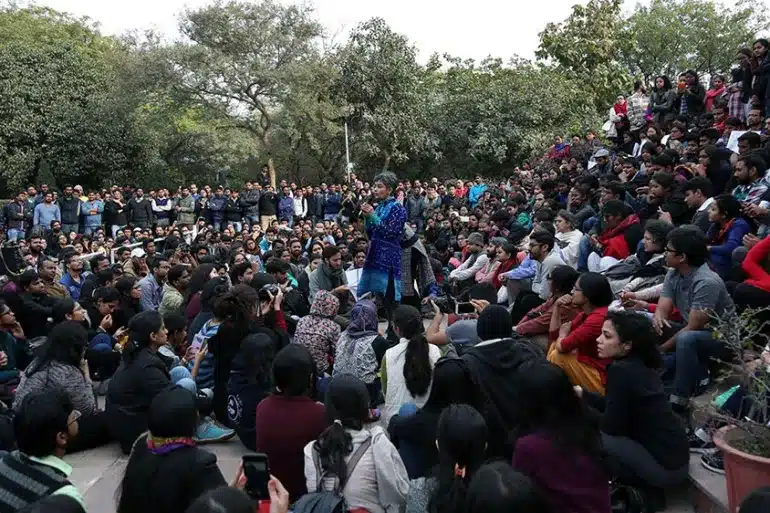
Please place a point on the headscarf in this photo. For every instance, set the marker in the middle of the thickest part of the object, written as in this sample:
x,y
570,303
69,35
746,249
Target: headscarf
x,y
325,305
363,320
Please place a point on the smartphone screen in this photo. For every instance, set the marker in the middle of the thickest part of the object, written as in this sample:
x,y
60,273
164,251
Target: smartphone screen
x,y
257,473
464,308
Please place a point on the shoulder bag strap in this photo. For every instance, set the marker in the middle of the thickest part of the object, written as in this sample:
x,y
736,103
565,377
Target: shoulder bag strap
x,y
357,455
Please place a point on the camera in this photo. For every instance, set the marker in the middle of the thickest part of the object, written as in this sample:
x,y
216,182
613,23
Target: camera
x,y
446,304
267,290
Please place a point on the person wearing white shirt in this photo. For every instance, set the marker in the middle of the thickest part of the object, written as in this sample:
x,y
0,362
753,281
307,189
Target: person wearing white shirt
x,y
568,238
477,259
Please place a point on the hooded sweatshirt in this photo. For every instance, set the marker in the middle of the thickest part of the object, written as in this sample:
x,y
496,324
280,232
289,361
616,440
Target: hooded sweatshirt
x,y
496,366
318,332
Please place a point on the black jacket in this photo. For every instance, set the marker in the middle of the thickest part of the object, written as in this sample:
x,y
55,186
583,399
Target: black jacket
x,y
268,203
233,210
637,407
114,214
32,314
168,483
70,209
139,211
131,390
250,202
496,368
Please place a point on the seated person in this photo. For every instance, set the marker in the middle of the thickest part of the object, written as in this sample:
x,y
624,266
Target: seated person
x,y
15,353
329,276
560,433
645,443
465,274
545,253
698,293
141,376
538,320
318,332
645,267
168,449
35,306
578,204
568,237
574,343
619,238
45,424
725,232
62,365
462,333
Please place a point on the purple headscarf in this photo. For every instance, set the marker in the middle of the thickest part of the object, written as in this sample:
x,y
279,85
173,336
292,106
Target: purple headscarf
x,y
363,320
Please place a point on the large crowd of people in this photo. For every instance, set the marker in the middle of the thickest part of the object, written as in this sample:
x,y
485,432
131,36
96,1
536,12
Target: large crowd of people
x,y
559,318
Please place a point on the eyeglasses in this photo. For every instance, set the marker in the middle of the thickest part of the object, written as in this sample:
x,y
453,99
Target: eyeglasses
x,y
669,250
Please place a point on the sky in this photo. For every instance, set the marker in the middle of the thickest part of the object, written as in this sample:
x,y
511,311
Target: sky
x,y
469,29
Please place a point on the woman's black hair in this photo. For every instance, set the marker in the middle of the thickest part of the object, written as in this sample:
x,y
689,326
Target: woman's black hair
x,y
174,321
172,415
199,277
238,271
757,501
212,290
140,327
498,488
347,407
294,371
461,436
66,344
453,384
39,418
224,499
255,359
563,279
417,366
664,179
764,42
509,248
61,308
550,406
728,206
125,284
54,504
666,82
596,289
659,231
635,329
106,295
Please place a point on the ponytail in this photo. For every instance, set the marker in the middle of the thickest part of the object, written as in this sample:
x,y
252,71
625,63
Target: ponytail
x,y
417,368
333,444
140,327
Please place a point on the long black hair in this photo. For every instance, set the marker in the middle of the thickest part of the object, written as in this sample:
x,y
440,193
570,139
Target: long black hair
x,y
199,277
636,329
462,442
550,406
453,384
498,488
347,407
140,327
255,359
66,344
294,372
418,371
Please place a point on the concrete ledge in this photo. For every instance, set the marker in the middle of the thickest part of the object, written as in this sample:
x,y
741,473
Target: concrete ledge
x,y
708,489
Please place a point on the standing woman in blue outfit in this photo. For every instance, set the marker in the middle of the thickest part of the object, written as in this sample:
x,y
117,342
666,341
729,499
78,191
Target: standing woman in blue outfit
x,y
385,226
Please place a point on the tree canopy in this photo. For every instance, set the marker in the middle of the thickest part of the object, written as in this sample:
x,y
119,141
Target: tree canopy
x,y
248,83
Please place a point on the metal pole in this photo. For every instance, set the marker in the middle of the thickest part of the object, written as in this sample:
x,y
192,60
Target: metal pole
x,y
347,152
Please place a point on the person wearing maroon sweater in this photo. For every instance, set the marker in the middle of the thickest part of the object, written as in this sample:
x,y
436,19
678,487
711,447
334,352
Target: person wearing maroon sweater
x,y
574,343
560,434
290,418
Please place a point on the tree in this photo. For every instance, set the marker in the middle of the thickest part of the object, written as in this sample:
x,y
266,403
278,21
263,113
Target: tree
x,y
670,36
243,59
588,45
381,82
57,102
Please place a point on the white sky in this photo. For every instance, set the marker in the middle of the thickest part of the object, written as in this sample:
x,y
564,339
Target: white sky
x,y
475,28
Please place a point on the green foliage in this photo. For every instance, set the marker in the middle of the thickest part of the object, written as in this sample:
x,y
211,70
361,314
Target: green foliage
x,y
670,36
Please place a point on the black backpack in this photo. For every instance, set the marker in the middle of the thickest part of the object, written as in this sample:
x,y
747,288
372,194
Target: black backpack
x,y
322,501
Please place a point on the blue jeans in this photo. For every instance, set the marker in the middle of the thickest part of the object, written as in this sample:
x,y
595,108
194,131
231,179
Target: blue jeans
x,y
589,223
584,250
252,220
330,217
690,362
237,225
180,376
15,235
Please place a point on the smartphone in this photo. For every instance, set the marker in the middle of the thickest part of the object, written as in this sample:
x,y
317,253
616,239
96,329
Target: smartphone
x,y
464,308
257,473
365,295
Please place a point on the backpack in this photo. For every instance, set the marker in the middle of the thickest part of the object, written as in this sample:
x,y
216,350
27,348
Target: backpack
x,y
322,501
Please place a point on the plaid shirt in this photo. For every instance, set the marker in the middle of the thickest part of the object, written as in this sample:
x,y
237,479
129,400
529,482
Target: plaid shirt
x,y
734,104
751,193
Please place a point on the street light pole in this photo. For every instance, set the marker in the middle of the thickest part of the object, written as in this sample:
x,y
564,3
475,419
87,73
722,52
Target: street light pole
x,y
348,166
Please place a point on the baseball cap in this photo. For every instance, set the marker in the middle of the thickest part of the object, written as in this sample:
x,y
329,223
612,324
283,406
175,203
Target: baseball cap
x,y
138,253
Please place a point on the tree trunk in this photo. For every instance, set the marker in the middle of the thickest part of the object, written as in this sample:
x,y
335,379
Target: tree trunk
x,y
270,162
386,163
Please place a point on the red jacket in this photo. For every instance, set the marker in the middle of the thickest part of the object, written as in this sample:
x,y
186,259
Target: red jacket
x,y
614,241
504,268
584,331
752,265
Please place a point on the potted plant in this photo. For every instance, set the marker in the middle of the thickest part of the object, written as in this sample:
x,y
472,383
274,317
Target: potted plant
x,y
745,441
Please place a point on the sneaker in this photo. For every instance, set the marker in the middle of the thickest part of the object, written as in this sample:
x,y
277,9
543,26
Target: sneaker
x,y
714,461
209,431
698,444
